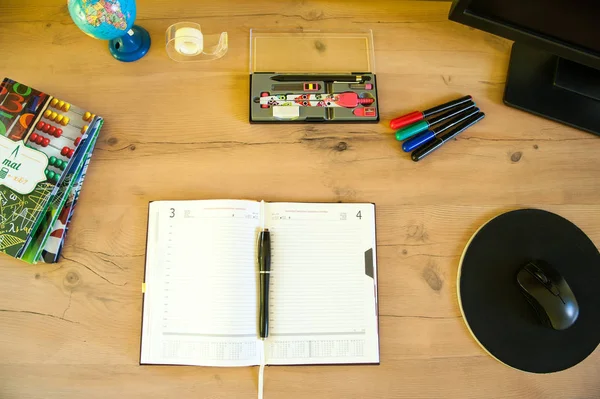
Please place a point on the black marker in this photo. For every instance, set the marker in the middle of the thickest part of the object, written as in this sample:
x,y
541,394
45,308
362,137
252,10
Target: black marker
x,y
430,147
264,270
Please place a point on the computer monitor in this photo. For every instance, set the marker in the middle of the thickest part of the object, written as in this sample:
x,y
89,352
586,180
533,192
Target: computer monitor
x,y
554,66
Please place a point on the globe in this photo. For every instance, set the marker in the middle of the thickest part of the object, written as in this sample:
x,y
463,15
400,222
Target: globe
x,y
112,20
103,19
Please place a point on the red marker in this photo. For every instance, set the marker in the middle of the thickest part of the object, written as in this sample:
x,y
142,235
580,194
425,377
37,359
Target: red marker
x,y
416,116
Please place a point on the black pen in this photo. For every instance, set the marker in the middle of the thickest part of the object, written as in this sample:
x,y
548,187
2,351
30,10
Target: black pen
x,y
264,270
324,78
437,142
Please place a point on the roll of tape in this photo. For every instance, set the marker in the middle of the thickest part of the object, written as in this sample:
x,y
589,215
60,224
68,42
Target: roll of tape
x,y
189,41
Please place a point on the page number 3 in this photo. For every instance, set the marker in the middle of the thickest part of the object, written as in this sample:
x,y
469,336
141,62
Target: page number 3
x,y
172,210
359,215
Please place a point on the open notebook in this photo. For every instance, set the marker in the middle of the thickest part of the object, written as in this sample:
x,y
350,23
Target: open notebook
x,y
201,284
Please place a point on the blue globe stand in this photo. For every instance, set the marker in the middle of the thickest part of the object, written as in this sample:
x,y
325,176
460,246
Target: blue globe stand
x,y
130,47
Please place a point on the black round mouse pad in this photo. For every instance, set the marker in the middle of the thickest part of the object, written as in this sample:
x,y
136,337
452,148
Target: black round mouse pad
x,y
496,311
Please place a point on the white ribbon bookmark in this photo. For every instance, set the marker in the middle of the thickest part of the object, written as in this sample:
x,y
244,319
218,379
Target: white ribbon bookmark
x,y
261,369
261,379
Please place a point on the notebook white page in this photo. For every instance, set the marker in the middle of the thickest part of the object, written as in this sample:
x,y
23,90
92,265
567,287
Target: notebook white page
x,y
323,301
200,304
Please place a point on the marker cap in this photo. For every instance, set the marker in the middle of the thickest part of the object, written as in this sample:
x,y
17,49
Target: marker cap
x,y
405,120
411,130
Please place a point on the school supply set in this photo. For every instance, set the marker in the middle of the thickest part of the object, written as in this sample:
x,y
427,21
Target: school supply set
x,y
312,76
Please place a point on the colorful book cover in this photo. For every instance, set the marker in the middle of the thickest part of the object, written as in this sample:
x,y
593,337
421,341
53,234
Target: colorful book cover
x,y
44,146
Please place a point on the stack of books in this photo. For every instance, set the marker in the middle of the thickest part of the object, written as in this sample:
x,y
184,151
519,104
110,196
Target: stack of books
x,y
45,147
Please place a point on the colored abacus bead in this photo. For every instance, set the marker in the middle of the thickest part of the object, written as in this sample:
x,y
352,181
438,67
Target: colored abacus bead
x,y
46,128
67,152
58,133
54,102
40,125
65,121
33,137
59,119
57,163
39,140
52,131
66,107
84,129
45,142
53,115
47,114
77,141
61,104
87,116
50,174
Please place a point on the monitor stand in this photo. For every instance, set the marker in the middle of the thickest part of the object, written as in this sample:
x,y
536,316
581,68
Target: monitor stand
x,y
554,88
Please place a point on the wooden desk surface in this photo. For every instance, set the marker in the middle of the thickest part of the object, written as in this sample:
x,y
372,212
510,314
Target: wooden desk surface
x,y
72,330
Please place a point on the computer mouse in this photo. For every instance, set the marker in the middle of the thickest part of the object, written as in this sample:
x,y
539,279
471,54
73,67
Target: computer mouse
x,y
549,294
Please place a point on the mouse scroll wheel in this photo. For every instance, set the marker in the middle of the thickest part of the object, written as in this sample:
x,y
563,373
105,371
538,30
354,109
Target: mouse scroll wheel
x,y
540,276
547,283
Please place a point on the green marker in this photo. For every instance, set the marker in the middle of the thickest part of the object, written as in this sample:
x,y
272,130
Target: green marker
x,y
420,126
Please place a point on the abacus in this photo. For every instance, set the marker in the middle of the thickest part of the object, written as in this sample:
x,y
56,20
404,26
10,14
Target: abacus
x,y
65,135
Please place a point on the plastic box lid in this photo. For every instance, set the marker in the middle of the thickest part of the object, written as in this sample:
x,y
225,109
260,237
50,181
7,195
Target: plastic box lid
x,y
311,51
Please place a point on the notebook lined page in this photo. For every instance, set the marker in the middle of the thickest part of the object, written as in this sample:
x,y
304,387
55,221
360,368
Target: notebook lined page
x,y
201,299
322,301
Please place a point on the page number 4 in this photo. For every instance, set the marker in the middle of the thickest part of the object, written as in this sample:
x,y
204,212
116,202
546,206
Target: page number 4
x,y
359,215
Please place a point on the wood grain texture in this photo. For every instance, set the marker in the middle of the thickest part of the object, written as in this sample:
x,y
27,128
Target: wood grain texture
x,y
72,330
